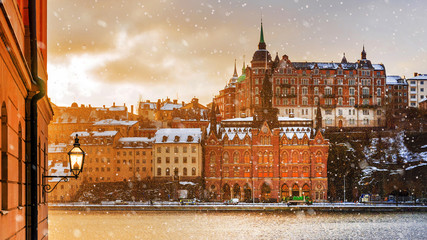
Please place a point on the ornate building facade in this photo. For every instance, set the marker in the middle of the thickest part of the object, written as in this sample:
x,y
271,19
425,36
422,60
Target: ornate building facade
x,y
350,94
265,157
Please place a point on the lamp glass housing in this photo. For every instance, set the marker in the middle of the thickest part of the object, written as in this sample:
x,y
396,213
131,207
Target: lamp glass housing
x,y
76,157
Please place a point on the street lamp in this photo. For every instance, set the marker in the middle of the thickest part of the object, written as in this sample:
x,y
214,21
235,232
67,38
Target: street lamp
x,y
76,157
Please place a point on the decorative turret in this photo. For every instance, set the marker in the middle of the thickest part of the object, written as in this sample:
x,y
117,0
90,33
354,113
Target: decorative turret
x,y
213,119
343,60
235,71
363,53
261,54
261,44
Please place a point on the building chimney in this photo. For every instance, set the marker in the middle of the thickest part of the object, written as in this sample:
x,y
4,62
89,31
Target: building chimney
x,y
114,104
131,109
183,103
415,74
82,105
124,104
103,106
90,106
175,101
148,101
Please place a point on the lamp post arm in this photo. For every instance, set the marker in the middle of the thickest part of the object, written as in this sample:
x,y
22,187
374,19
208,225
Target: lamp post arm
x,y
48,188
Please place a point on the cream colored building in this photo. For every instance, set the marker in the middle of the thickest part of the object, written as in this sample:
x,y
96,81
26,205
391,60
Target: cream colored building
x,y
417,89
177,151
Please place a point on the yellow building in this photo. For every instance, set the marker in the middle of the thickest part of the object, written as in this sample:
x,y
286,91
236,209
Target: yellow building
x,y
177,152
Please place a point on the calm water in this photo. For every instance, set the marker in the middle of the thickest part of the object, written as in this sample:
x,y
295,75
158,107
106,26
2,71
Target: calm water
x,y
231,225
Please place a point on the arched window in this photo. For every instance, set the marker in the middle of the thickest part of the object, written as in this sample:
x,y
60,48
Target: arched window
x,y
306,190
193,171
4,158
168,172
295,172
284,157
306,157
295,157
212,157
318,157
319,171
256,100
295,190
316,91
236,157
225,157
305,172
247,157
270,157
184,171
340,91
265,160
340,101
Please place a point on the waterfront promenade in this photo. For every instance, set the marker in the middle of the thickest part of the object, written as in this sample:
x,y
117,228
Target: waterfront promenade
x,y
241,207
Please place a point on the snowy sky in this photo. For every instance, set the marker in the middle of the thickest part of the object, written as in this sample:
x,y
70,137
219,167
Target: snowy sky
x,y
105,51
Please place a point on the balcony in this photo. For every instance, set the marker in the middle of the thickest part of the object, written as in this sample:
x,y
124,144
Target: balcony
x,y
328,105
285,95
329,95
367,106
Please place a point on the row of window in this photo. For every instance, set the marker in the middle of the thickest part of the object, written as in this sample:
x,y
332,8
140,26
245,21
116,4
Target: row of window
x,y
266,157
176,172
176,149
130,161
137,153
268,172
176,160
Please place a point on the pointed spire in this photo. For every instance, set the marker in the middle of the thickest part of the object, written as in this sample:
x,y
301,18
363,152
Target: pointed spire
x,y
244,67
344,59
261,44
235,71
363,52
261,36
213,119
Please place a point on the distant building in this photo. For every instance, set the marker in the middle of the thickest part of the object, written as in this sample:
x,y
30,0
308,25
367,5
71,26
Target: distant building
x,y
350,94
423,104
397,99
417,89
135,157
72,119
177,152
147,110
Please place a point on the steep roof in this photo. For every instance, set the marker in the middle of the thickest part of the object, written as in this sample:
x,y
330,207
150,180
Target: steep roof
x,y
178,135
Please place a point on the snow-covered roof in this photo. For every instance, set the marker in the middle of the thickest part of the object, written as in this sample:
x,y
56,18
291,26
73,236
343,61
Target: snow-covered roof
x,y
395,80
178,135
170,106
299,131
241,132
281,119
95,134
58,170
419,77
151,105
136,139
332,66
113,122
57,148
118,108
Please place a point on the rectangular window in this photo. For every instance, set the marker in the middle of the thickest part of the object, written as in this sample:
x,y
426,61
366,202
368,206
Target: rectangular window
x,y
193,149
184,149
159,149
184,159
159,160
167,149
193,160
176,159
168,159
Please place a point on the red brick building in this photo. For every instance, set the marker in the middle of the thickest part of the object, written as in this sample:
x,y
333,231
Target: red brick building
x,y
265,157
350,94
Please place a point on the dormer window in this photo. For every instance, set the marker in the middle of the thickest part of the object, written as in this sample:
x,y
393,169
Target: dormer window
x,y
176,139
190,138
165,138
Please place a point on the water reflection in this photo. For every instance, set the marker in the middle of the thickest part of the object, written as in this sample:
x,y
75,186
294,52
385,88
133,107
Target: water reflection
x,y
235,225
